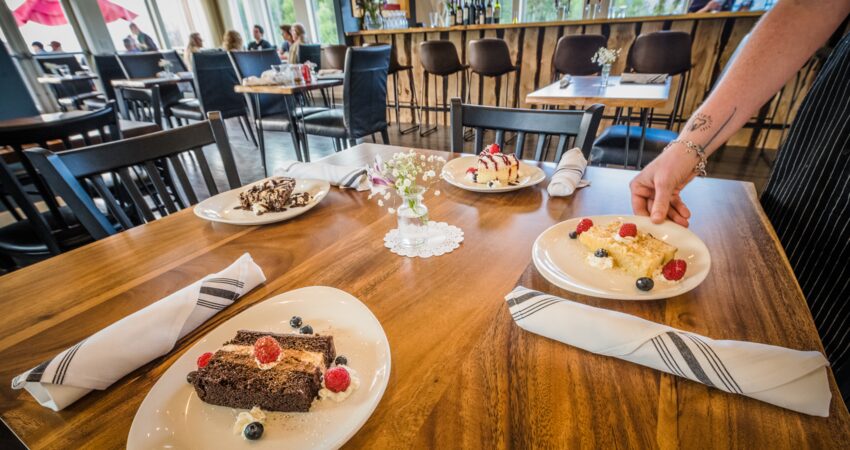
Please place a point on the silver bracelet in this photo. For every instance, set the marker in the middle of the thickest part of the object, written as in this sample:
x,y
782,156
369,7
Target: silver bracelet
x,y
695,148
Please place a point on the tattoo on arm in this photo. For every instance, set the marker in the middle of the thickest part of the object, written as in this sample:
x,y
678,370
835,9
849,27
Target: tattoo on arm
x,y
722,126
700,122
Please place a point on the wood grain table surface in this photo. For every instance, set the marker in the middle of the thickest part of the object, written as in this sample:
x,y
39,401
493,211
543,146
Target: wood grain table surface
x,y
463,374
319,83
585,91
142,83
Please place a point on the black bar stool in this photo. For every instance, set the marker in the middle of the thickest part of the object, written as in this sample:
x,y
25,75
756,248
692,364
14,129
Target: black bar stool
x,y
490,57
439,58
412,105
573,55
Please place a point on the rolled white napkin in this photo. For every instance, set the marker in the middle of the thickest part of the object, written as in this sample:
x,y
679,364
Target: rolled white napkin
x,y
567,176
106,356
346,177
256,81
643,78
792,379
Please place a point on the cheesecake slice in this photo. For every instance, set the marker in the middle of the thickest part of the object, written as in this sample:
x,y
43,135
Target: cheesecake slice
x,y
640,256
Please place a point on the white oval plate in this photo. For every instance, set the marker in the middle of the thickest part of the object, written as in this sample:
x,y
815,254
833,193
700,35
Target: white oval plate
x,y
172,416
222,207
455,173
561,260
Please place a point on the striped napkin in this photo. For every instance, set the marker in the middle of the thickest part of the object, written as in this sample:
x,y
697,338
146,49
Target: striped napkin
x,y
567,176
345,177
792,379
96,362
643,78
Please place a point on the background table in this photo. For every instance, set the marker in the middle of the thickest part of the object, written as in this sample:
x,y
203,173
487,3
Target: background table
x,y
463,374
57,79
586,91
299,137
144,83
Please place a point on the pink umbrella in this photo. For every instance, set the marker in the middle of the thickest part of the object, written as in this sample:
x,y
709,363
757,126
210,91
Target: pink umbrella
x,y
49,12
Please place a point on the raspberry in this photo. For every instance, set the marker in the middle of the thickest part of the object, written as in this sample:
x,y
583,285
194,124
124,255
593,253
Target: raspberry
x,y
471,170
337,379
675,269
493,149
204,359
583,226
266,350
628,230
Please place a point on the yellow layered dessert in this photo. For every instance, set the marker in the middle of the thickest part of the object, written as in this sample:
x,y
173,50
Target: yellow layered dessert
x,y
641,255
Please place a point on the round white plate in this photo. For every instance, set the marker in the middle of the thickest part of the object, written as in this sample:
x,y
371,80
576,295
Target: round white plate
x,y
561,260
455,173
222,207
172,416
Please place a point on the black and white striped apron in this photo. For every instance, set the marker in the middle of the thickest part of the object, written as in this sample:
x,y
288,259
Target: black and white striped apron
x,y
808,201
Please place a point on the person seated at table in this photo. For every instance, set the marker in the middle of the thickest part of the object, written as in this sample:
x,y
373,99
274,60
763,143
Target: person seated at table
x,y
807,198
298,38
37,47
703,6
130,45
286,34
56,47
195,45
143,40
259,43
232,40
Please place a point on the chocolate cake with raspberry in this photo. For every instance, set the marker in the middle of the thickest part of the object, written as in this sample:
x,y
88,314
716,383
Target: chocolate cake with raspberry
x,y
277,372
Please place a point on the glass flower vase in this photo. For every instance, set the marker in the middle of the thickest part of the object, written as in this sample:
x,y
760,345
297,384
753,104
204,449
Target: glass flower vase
x,y
413,219
373,21
606,73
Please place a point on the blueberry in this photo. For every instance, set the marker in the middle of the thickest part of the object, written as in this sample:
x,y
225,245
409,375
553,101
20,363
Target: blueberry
x,y
306,329
341,360
601,253
573,234
253,431
645,284
295,322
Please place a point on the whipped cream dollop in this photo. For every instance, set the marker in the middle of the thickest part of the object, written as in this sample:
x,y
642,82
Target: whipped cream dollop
x,y
245,417
624,240
658,277
494,184
324,392
604,263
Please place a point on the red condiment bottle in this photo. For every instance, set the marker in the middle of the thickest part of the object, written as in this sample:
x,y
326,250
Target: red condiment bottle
x,y
305,73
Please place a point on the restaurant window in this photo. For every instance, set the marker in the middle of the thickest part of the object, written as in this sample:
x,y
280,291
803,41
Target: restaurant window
x,y
548,10
182,18
48,26
281,12
325,21
119,26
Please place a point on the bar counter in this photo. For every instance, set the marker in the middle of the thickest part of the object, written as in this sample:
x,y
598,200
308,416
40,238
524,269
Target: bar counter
x,y
715,37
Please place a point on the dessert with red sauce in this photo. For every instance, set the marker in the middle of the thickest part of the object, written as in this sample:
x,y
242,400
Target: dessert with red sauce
x,y
494,168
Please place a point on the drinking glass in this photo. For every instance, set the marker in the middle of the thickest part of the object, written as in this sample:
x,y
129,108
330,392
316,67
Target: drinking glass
x,y
434,18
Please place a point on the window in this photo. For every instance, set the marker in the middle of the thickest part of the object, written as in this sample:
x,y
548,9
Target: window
x,y
281,12
34,31
325,21
182,18
546,11
119,29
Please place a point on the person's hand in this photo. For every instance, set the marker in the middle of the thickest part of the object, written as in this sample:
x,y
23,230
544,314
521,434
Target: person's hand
x,y
713,5
655,190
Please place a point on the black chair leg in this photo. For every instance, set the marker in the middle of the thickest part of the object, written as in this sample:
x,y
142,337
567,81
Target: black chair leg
x,y
385,137
352,142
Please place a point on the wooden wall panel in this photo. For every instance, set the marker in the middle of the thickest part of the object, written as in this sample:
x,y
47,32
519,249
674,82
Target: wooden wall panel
x,y
622,35
512,38
529,64
550,41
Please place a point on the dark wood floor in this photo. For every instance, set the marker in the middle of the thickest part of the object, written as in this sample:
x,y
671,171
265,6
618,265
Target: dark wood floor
x,y
732,163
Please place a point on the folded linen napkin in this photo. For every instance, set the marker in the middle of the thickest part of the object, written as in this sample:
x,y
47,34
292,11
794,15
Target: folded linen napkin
x,y
149,333
567,176
323,72
643,78
565,81
792,379
343,177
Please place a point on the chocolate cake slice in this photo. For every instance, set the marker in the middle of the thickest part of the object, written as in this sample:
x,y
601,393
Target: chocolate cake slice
x,y
272,195
234,378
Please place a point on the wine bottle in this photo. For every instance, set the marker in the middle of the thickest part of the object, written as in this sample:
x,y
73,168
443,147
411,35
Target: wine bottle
x,y
459,13
452,13
488,13
481,18
470,14
497,11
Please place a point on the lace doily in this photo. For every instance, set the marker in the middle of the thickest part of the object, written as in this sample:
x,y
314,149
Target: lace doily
x,y
442,238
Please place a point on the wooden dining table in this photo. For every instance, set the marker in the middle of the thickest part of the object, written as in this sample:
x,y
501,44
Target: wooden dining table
x,y
463,374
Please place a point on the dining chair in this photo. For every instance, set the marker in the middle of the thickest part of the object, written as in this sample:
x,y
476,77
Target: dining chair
x,y
70,94
151,156
107,68
667,52
274,110
311,53
334,55
36,235
439,58
491,57
212,70
573,128
364,98
395,70
146,65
